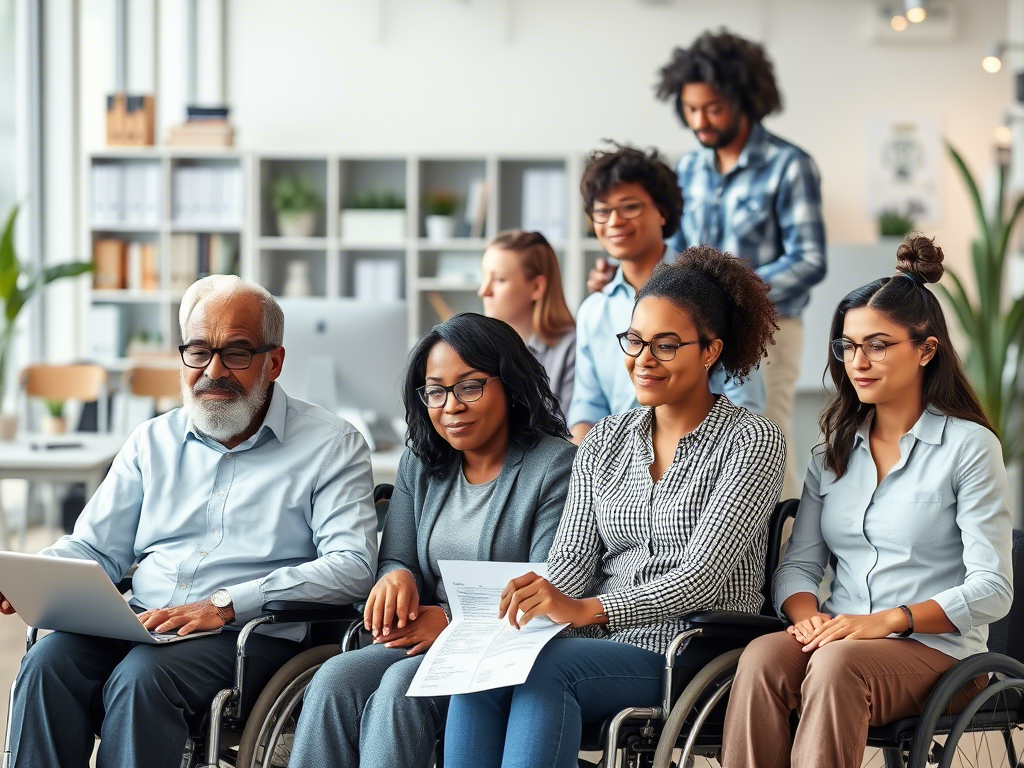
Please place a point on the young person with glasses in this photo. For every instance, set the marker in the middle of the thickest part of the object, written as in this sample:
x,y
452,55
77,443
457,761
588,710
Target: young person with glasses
x,y
667,514
522,285
485,478
908,495
635,203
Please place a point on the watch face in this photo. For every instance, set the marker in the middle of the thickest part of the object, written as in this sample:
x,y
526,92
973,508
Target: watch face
x,y
221,598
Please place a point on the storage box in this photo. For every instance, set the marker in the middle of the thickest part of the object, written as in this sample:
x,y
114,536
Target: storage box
x,y
373,225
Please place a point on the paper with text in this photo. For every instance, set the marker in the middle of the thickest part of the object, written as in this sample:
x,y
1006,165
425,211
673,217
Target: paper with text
x,y
478,651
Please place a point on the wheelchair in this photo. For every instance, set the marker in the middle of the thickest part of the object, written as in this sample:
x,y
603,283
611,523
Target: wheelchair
x,y
251,728
686,729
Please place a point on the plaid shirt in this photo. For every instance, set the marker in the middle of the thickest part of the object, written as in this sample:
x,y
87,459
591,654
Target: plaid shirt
x,y
766,210
695,540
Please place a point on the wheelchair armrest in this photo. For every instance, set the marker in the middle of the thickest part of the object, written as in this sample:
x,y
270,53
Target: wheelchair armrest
x,y
296,612
733,624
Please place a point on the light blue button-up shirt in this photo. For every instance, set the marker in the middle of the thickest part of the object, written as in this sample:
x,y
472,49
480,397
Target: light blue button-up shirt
x,y
286,515
936,528
603,386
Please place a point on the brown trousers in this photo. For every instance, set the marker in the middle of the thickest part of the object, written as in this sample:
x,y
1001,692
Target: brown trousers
x,y
839,689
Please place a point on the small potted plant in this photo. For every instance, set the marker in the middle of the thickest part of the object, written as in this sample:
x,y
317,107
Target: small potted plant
x,y
440,205
892,223
55,423
295,203
372,217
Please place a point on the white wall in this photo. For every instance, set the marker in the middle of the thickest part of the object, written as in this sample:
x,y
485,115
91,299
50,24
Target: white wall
x,y
7,190
436,75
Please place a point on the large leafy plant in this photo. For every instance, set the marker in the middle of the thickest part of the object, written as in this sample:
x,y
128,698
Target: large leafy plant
x,y
18,283
995,327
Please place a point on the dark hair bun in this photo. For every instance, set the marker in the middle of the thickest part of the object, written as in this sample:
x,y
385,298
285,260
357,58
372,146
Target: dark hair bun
x,y
919,257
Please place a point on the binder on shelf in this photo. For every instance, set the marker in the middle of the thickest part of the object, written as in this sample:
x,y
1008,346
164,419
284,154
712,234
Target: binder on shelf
x,y
108,256
476,209
106,331
544,202
378,280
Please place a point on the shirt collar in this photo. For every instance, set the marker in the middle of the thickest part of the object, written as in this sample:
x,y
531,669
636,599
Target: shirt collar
x,y
719,413
754,151
928,428
668,256
273,422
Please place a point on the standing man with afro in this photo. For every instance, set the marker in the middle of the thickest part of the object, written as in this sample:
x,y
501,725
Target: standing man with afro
x,y
749,193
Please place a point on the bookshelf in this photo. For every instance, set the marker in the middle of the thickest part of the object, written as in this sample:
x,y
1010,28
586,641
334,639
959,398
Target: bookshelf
x,y
396,259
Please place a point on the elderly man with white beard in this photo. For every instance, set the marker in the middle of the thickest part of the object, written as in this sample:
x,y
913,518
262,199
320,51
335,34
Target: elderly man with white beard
x,y
243,496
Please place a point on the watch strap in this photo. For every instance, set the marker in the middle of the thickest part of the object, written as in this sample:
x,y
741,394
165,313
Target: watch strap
x,y
910,620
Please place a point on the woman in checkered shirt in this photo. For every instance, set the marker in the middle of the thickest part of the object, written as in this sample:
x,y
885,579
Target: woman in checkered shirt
x,y
667,514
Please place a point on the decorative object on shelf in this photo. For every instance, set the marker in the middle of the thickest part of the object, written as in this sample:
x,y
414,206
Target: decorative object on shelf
x,y
55,423
204,127
440,221
295,202
296,283
995,334
146,344
17,285
374,218
892,223
130,120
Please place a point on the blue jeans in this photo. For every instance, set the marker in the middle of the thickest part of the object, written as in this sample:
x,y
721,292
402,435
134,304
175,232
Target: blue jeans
x,y
539,723
140,699
355,713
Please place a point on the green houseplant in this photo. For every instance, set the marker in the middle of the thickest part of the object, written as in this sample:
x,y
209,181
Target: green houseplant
x,y
55,423
440,221
374,217
892,223
18,284
295,202
994,327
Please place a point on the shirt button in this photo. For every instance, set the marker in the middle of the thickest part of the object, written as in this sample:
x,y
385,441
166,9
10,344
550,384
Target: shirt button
x,y
184,584
220,493
214,532
228,456
203,552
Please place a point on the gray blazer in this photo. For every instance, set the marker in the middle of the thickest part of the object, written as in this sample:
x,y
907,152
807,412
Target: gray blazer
x,y
520,526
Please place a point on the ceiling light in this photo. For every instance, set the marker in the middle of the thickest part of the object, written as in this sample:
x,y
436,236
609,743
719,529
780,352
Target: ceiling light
x,y
899,23
1004,136
915,11
992,64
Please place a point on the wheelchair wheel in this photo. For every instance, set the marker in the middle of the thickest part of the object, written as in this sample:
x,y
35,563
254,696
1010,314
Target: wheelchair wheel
x,y
699,714
990,729
270,728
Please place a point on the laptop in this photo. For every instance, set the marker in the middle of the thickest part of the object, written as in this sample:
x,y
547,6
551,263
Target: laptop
x,y
74,596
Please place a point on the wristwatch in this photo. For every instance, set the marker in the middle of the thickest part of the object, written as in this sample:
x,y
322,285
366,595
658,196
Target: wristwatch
x,y
221,600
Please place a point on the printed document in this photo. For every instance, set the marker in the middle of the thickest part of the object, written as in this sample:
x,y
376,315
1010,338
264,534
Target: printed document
x,y
478,651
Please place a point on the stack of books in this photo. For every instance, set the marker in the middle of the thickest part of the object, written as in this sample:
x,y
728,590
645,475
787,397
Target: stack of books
x,y
205,127
125,265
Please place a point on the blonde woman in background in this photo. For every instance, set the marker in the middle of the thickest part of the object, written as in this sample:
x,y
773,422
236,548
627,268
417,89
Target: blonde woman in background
x,y
522,285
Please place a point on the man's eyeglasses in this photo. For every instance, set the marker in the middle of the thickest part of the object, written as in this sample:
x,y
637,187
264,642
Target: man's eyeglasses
x,y
661,349
845,350
234,358
465,391
601,214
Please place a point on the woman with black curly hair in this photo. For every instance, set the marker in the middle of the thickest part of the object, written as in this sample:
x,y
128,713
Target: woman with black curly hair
x,y
907,495
667,514
484,478
748,192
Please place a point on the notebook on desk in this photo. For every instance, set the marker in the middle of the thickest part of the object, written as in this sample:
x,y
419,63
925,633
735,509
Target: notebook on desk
x,y
74,596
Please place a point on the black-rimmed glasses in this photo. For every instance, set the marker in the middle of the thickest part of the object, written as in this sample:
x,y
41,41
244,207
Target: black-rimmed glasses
x,y
661,349
233,358
465,391
602,214
845,350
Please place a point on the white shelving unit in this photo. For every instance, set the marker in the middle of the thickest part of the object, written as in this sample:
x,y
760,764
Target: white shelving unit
x,y
332,260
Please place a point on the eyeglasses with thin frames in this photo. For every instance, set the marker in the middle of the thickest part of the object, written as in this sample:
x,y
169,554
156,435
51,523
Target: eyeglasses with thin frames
x,y
232,358
626,211
661,349
465,391
845,350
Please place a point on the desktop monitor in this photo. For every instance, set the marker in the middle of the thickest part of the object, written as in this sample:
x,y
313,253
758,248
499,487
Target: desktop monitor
x,y
345,354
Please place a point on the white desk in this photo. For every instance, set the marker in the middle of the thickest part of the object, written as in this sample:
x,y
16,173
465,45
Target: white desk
x,y
385,464
84,460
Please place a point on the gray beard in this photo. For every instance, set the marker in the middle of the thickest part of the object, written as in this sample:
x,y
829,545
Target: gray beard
x,y
223,420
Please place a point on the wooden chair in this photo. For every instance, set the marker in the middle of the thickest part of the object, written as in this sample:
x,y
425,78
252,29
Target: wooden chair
x,y
156,382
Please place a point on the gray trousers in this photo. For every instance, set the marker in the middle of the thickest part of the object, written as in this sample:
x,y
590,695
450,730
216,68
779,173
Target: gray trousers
x,y
140,699
356,713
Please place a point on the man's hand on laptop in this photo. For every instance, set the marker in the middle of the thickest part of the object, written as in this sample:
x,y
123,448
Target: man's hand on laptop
x,y
194,617
5,606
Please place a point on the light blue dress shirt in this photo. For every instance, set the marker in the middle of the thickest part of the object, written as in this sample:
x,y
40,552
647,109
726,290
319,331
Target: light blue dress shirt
x,y
603,386
936,528
766,211
286,515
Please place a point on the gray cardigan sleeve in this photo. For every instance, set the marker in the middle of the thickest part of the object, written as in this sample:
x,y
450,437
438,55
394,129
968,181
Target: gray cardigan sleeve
x,y
553,489
398,541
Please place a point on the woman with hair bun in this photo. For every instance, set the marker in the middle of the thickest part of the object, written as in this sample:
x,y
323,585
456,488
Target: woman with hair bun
x,y
908,494
667,514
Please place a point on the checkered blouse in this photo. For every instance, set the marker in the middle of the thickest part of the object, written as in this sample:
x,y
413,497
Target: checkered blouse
x,y
695,540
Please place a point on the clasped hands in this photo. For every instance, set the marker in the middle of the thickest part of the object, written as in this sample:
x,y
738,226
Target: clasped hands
x,y
396,619
820,629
